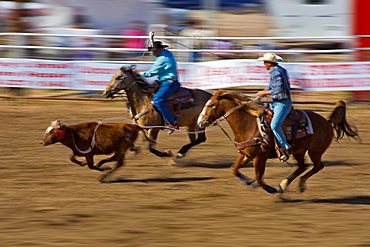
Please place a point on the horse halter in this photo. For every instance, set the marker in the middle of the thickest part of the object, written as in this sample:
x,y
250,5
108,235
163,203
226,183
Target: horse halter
x,y
224,116
122,79
134,80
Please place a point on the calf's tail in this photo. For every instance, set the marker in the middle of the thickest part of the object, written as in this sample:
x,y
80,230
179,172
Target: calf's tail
x,y
137,128
151,141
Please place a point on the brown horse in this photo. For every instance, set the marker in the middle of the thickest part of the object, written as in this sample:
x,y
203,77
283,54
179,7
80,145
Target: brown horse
x,y
139,96
241,114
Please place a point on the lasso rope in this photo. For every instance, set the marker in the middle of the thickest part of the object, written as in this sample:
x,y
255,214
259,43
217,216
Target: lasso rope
x,y
92,141
152,126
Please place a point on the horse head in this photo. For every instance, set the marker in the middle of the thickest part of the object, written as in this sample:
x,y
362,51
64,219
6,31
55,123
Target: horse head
x,y
123,79
222,104
212,110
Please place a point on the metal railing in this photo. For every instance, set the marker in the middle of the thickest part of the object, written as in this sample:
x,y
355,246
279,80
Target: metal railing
x,y
102,46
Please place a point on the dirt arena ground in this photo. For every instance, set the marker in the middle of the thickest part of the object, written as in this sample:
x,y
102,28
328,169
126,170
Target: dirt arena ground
x,y
47,201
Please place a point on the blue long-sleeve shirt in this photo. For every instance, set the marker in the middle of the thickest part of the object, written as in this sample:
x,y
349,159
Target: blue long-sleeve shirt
x,y
164,67
279,83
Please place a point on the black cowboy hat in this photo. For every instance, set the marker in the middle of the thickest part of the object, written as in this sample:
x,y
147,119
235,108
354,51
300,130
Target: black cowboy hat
x,y
156,45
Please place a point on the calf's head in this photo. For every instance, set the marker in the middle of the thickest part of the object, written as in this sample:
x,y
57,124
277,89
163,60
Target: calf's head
x,y
54,133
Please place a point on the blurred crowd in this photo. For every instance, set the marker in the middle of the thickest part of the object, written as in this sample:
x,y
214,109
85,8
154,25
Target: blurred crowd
x,y
26,20
87,47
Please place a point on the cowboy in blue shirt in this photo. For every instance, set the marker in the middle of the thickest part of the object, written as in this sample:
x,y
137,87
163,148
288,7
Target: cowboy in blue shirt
x,y
279,91
165,68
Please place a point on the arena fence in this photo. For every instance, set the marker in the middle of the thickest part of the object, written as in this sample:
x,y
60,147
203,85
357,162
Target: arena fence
x,y
94,74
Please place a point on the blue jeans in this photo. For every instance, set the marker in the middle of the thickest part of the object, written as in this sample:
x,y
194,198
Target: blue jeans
x,y
281,110
166,89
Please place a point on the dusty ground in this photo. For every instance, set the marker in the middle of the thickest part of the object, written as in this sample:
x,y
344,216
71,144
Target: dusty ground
x,y
47,201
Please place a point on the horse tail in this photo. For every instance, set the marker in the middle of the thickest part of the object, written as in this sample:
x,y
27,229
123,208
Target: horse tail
x,y
340,124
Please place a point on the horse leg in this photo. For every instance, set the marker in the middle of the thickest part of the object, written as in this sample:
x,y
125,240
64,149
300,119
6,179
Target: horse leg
x,y
103,161
200,137
153,134
299,157
238,163
317,166
259,164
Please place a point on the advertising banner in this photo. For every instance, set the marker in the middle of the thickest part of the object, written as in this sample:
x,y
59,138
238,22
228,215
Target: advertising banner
x,y
82,75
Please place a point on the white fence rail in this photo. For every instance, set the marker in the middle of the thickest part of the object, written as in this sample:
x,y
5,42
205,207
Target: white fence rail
x,y
94,74
296,38
188,49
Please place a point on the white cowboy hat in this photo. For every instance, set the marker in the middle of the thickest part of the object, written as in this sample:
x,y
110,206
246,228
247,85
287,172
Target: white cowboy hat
x,y
271,57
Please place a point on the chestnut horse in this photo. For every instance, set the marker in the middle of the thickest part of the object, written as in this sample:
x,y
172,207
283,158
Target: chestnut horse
x,y
241,114
139,96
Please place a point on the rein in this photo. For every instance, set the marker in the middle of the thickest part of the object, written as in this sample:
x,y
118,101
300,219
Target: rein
x,y
226,115
87,151
239,145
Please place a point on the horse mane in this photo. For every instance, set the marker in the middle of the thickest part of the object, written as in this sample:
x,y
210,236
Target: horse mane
x,y
135,74
246,102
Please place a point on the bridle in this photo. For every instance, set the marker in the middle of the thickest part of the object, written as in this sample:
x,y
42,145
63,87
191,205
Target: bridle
x,y
239,145
121,80
224,116
134,81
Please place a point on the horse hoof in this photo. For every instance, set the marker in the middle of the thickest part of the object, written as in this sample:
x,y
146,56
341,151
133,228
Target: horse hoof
x,y
104,168
302,187
270,190
169,153
282,186
253,185
102,179
180,156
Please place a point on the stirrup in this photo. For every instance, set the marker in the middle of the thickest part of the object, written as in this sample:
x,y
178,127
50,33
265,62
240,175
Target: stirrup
x,y
172,128
284,156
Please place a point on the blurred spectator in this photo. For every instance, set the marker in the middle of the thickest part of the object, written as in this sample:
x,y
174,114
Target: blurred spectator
x,y
84,54
81,19
222,45
136,28
35,41
195,29
4,20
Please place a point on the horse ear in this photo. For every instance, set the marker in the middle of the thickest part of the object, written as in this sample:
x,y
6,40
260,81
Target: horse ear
x,y
132,66
123,68
219,94
226,95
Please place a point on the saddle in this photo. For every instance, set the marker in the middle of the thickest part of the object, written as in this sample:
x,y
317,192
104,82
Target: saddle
x,y
183,98
296,125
